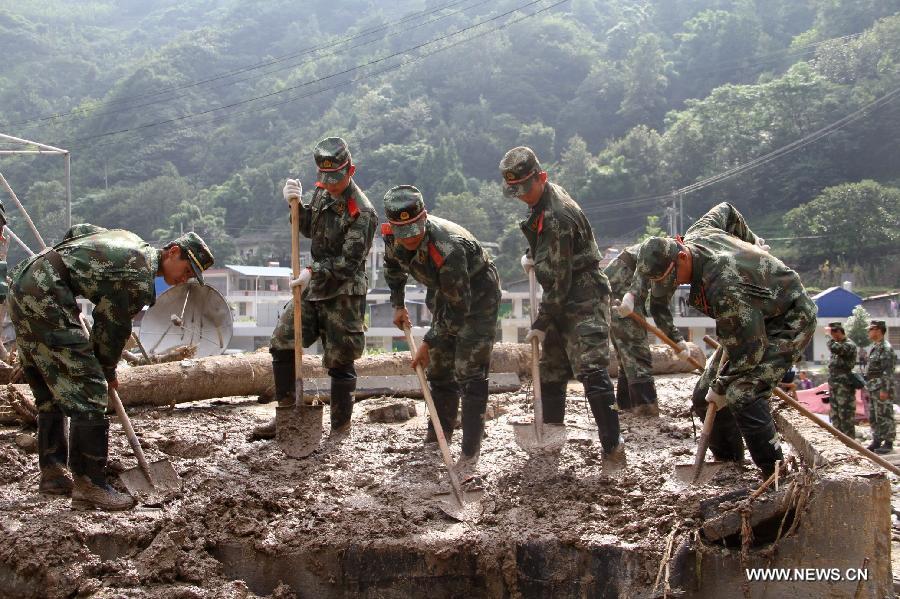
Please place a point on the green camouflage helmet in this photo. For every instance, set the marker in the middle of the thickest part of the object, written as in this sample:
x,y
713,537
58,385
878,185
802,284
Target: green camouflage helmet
x,y
518,168
878,324
836,326
405,209
332,156
656,256
198,254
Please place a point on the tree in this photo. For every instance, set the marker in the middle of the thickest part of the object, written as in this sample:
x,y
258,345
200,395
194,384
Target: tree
x,y
652,229
857,326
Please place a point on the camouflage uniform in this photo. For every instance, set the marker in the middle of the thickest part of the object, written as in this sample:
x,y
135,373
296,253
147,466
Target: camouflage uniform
x,y
843,395
574,308
67,370
334,303
764,320
463,296
880,377
635,383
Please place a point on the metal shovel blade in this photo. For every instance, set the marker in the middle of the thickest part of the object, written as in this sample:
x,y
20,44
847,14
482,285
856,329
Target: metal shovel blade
x,y
298,429
686,472
163,478
470,510
529,438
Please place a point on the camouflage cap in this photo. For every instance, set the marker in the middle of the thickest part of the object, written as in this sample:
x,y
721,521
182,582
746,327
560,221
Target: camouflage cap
x,y
836,326
518,167
878,324
332,156
198,254
405,209
655,256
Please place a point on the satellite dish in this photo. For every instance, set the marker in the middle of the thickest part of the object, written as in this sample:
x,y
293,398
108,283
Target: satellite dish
x,y
188,314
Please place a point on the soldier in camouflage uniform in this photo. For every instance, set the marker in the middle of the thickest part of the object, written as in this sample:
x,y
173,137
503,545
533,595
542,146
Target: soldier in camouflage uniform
x,y
764,320
4,285
880,386
341,222
70,373
573,316
464,299
840,368
635,387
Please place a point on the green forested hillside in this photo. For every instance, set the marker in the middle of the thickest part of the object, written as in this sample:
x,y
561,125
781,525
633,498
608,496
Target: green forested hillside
x,y
191,114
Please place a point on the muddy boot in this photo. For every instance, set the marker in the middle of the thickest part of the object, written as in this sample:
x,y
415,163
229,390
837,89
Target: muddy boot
x,y
886,448
553,399
875,444
598,389
725,441
474,404
89,446
758,429
623,394
343,384
285,386
53,453
643,396
446,401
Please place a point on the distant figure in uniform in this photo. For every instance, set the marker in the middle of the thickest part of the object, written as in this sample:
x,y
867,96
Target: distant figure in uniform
x,y
69,373
840,369
464,299
880,385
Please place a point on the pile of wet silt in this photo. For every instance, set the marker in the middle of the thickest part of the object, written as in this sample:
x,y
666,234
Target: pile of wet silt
x,y
359,516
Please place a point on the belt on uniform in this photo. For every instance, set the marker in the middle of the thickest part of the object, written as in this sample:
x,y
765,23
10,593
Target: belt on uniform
x,y
58,265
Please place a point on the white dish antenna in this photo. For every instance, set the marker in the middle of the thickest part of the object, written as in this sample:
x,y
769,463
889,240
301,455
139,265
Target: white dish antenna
x,y
188,314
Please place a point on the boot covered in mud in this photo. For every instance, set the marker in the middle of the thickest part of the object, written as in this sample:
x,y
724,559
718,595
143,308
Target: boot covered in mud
x,y
343,384
53,454
758,429
598,389
875,444
474,404
553,400
643,397
89,445
623,394
446,401
285,385
725,441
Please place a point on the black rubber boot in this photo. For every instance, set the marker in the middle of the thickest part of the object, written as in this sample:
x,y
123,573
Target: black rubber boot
x,y
886,448
446,402
623,392
343,384
725,441
758,429
89,445
643,397
875,444
598,389
53,454
553,400
285,386
474,404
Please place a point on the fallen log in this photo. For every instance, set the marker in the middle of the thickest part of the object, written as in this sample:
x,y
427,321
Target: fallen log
x,y
251,373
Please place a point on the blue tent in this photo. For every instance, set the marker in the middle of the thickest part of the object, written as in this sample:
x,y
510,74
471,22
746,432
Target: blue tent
x,y
836,302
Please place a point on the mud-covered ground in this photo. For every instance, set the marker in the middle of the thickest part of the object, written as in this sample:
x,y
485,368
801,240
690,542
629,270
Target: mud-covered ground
x,y
376,486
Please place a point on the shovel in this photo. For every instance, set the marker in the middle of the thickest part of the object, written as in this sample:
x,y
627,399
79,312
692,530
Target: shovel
x,y
298,428
699,472
460,504
148,479
537,436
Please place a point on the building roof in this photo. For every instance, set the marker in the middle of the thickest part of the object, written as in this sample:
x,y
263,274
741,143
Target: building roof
x,y
836,302
260,271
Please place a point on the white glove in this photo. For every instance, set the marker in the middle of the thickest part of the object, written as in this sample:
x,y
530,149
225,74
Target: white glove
x,y
303,280
527,263
626,306
683,352
762,244
716,398
292,189
535,334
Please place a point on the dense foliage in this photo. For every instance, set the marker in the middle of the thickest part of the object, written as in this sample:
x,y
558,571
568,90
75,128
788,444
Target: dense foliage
x,y
191,114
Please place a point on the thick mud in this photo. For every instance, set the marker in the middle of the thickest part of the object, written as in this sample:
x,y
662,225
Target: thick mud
x,y
373,488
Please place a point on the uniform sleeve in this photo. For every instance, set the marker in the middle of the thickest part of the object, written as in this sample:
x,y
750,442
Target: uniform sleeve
x,y
112,320
843,350
553,268
357,241
741,330
457,296
305,220
725,217
394,274
662,316
887,360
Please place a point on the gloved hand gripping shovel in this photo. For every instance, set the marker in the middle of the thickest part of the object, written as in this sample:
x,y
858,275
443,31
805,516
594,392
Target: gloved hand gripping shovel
x,y
537,436
298,428
460,504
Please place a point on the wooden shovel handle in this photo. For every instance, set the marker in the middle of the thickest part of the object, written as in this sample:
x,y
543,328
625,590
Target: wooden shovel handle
x,y
297,302
663,337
